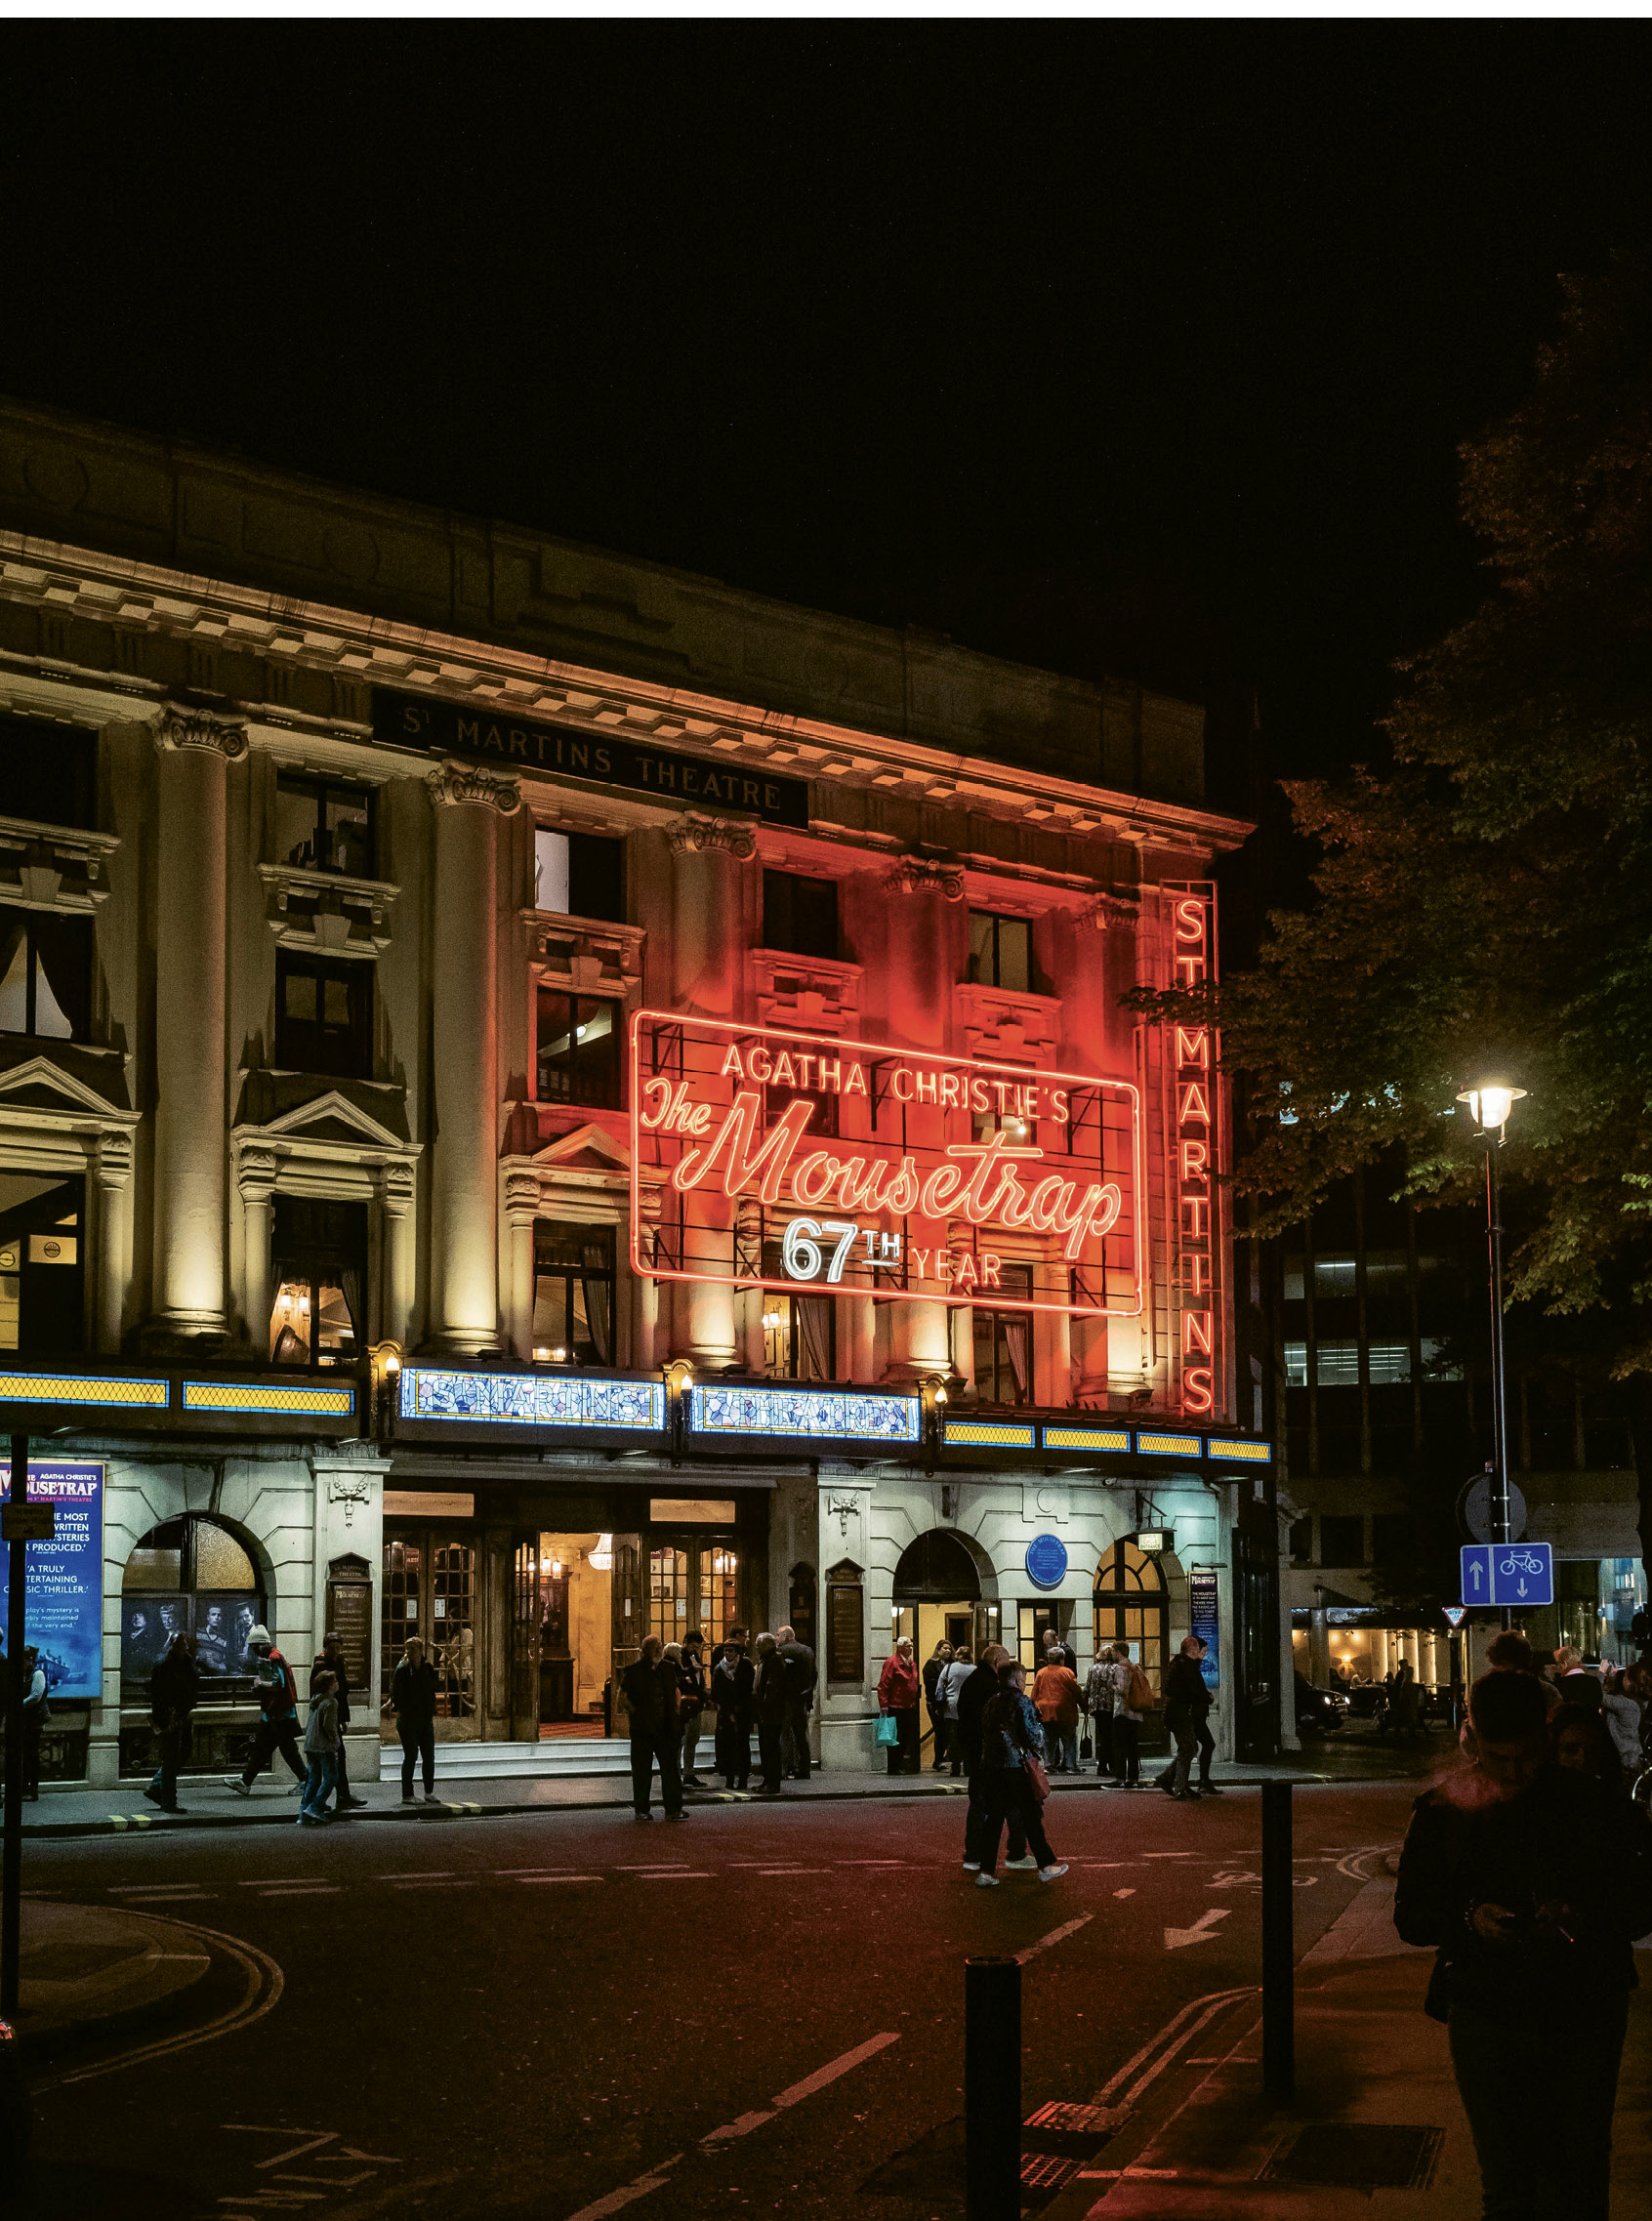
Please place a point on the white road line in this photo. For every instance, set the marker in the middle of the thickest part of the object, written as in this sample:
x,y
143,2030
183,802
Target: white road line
x,y
534,1881
680,1874
791,1870
262,1973
1167,1854
518,1870
432,1874
1124,1893
1055,1936
1170,2034
656,1866
305,1889
822,2076
617,2199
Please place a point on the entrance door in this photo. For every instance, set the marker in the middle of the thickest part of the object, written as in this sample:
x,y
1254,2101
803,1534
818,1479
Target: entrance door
x,y
1256,1649
430,1589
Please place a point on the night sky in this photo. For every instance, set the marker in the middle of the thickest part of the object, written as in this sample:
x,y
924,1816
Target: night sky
x,y
1133,349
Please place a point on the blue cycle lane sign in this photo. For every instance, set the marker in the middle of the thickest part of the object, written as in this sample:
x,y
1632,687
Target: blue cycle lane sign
x,y
1507,1572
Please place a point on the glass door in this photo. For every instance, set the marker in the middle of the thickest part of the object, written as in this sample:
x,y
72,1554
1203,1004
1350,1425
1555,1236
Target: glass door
x,y
430,1589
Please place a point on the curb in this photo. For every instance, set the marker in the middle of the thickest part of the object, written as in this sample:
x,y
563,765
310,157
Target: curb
x,y
163,1824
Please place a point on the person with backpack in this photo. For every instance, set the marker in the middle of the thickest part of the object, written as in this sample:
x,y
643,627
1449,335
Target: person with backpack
x,y
277,1726
173,1692
1133,1700
1099,1697
802,1677
732,1681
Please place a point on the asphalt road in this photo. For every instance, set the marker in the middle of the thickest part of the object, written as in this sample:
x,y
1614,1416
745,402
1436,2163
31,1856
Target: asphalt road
x,y
576,2015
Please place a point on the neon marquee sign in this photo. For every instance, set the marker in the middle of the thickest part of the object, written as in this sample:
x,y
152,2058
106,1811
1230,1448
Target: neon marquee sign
x,y
1190,1062
797,1162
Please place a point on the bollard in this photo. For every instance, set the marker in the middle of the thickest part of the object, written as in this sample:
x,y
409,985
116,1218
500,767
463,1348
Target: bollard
x,y
1279,1969
992,2088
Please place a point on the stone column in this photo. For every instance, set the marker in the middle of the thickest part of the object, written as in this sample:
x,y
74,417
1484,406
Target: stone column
x,y
196,751
395,1196
919,1006
469,803
113,1172
706,943
256,1178
521,1207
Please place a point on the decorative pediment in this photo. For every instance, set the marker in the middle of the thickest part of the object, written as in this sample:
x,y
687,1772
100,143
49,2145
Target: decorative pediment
x,y
42,1085
1000,1023
587,1149
51,867
332,1116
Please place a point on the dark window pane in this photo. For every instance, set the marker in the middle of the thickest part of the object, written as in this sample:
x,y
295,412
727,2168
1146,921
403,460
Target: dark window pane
x,y
335,1002
319,1255
596,877
1342,1541
324,828
1014,954
349,830
48,772
298,996
579,1046
573,1292
800,915
296,818
1301,1540
324,1016
46,976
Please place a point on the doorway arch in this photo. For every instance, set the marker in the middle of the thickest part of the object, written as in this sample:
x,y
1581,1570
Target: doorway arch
x,y
943,1591
1132,1606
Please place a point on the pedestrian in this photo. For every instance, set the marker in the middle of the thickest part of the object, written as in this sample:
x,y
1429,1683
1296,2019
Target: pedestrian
x,y
1055,1700
331,1660
694,1696
1187,1704
1065,1654
1098,1699
802,1679
651,1687
1013,1761
322,1741
899,1687
934,1665
732,1681
948,1689
1133,1700
173,1692
1406,1703
413,1700
771,1708
977,1693
1623,1719
36,1712
1526,1877
1582,1741
278,1721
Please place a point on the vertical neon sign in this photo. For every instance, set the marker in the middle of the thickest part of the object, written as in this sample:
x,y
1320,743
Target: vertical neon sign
x,y
1196,1134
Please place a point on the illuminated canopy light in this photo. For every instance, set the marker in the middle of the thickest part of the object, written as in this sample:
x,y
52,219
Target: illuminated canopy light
x,y
1490,1103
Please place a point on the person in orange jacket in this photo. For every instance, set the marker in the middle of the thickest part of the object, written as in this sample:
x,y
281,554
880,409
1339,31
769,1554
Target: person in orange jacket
x,y
1055,1700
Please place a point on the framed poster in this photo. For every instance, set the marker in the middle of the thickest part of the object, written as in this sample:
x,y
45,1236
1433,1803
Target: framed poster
x,y
1204,1622
63,1579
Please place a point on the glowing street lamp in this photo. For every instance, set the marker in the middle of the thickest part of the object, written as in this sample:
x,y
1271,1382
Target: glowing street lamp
x,y
1490,1100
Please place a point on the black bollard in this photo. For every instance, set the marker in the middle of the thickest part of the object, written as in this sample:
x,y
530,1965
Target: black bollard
x,y
992,2088
1279,1958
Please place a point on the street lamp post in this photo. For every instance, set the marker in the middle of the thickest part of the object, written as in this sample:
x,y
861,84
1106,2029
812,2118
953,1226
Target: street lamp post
x,y
1490,1102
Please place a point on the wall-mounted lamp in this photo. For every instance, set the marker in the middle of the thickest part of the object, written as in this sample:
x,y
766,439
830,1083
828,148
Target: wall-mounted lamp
x,y
679,1378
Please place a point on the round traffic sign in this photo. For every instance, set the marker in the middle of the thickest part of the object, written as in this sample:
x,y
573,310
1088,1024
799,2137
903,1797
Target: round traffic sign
x,y
1473,1509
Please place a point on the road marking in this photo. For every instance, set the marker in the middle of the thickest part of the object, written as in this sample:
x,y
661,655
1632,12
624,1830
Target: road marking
x,y
531,1881
679,1874
1203,1930
654,1867
790,1870
617,2199
518,1870
173,1892
1055,1936
1167,1854
433,1882
842,2065
263,1976
432,1874
1124,1893
1172,2036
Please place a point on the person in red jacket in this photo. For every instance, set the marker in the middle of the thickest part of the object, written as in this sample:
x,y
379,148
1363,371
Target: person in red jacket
x,y
277,1728
899,1687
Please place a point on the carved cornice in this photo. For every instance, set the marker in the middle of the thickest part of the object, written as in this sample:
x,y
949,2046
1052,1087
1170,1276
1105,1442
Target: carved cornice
x,y
114,1159
690,834
521,1197
1109,910
177,727
54,867
924,875
326,911
453,783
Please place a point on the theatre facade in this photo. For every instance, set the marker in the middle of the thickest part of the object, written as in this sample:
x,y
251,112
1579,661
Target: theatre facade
x,y
544,1100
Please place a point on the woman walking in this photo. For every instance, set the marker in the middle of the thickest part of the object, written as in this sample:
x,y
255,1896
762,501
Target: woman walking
x,y
898,1688
1011,1759
949,1688
413,1700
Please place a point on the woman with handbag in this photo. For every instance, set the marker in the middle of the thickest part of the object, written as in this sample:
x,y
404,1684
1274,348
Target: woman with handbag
x,y
898,1691
1013,1761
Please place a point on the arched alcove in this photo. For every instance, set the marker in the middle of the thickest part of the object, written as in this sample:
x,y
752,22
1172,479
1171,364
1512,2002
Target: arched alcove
x,y
198,1575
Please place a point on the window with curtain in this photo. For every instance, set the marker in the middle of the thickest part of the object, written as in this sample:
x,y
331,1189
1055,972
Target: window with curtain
x,y
578,1050
800,1338
317,1271
573,1292
1004,1344
45,974
1000,951
324,826
578,874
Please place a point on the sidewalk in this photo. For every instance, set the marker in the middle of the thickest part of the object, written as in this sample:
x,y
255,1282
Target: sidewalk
x,y
74,1811
1376,2116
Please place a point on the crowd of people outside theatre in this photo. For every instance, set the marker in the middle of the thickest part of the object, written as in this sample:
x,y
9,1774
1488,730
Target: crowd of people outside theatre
x,y
766,1687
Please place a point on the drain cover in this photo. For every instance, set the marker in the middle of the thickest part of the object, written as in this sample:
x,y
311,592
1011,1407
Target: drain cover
x,y
1042,2171
1359,2155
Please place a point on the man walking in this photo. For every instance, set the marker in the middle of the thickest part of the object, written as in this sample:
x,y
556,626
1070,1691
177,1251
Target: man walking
x,y
277,1726
651,1692
332,1660
798,1659
173,1692
1187,1704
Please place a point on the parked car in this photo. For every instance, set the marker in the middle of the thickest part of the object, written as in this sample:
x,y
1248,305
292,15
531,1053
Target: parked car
x,y
17,2113
1319,1711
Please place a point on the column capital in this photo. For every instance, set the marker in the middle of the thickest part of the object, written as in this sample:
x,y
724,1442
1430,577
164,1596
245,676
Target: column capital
x,y
114,1159
1108,910
396,1190
927,875
453,783
177,727
255,1175
522,1198
689,836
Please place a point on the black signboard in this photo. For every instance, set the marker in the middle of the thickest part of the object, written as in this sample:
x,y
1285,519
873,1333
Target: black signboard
x,y
350,1617
448,728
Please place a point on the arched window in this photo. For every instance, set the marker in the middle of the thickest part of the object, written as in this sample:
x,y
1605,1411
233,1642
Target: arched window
x,y
195,1576
1132,1607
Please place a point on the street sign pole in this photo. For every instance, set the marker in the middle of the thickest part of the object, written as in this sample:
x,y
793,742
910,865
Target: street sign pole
x,y
1500,1528
10,1878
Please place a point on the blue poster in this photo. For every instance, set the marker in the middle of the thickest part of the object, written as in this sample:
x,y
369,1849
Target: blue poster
x,y
1202,1620
62,1579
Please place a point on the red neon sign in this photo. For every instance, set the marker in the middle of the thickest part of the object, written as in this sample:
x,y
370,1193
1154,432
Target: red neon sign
x,y
805,1162
1190,1076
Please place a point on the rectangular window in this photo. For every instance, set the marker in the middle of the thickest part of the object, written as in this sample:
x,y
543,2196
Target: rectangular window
x,y
324,1016
573,1292
1384,1272
322,826
1296,1364
579,874
800,915
1301,1541
579,1050
1296,1278
48,772
1004,1344
45,974
1333,1276
1388,1361
1342,1540
800,1334
319,1262
1000,951
1391,1535
1438,1363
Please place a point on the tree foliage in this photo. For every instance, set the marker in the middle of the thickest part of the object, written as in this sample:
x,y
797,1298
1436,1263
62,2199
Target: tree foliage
x,y
1486,900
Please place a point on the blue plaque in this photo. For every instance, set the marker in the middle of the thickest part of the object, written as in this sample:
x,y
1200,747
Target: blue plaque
x,y
1046,1561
